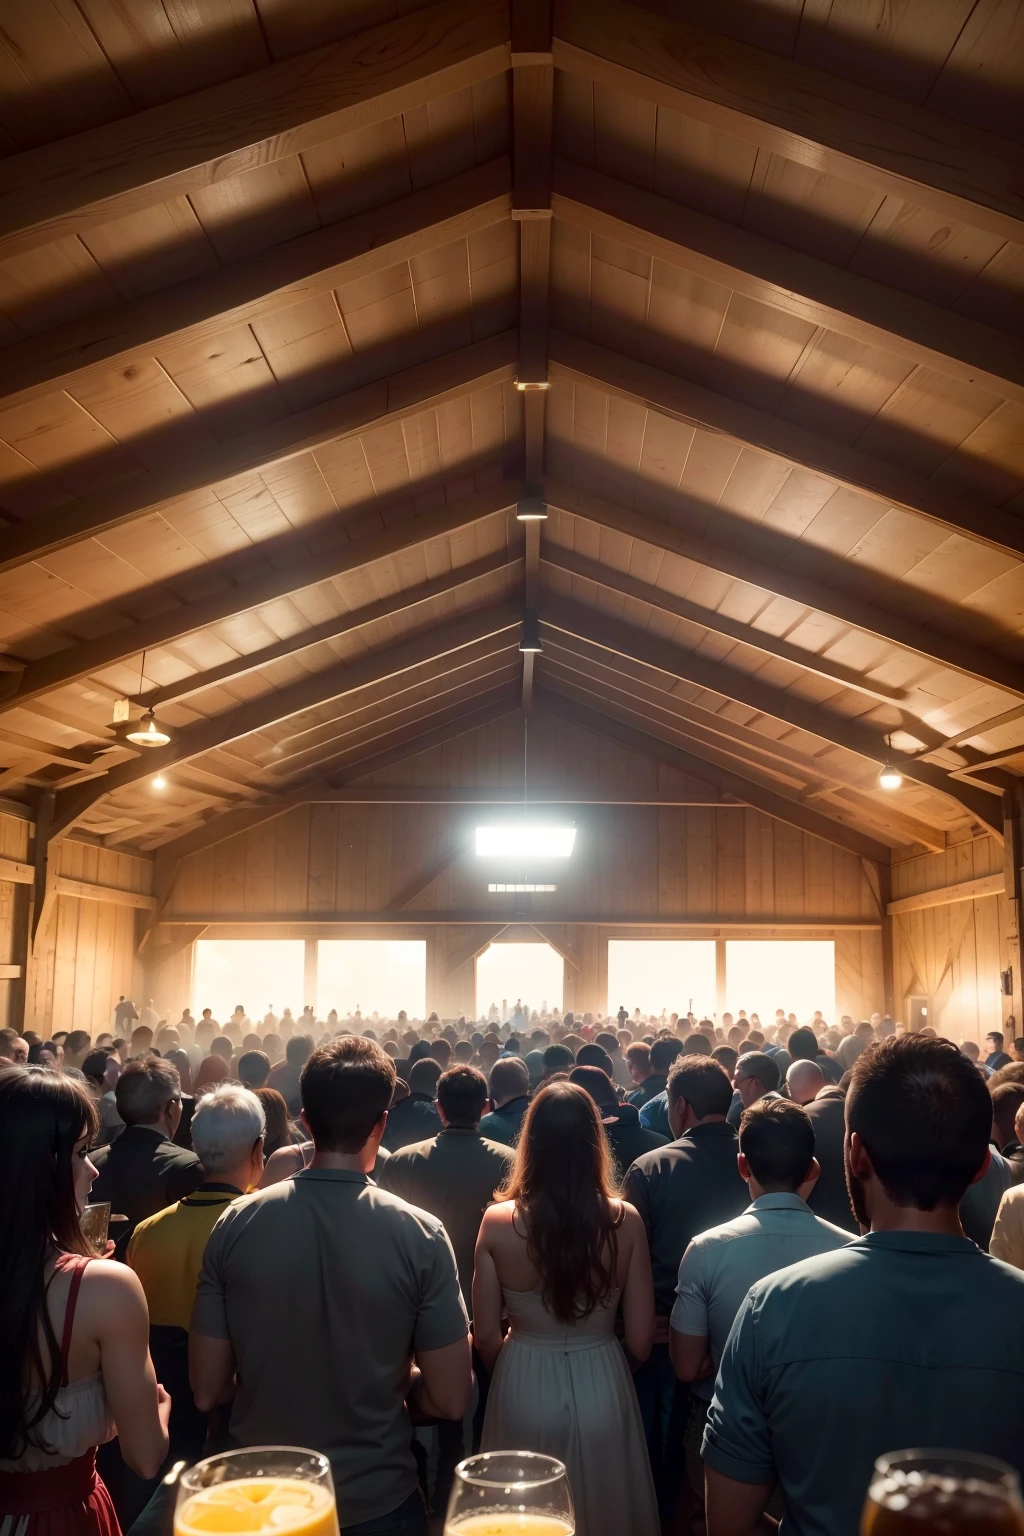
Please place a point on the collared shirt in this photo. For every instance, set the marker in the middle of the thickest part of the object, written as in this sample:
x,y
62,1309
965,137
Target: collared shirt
x,y
454,1177
654,1115
628,1136
720,1266
1008,1233
141,1173
325,1286
996,1059
504,1123
648,1088
810,1401
166,1252
412,1119
681,1190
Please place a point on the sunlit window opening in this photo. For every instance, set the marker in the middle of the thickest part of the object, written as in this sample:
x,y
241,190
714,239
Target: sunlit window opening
x,y
261,974
798,975
380,976
677,975
531,973
525,840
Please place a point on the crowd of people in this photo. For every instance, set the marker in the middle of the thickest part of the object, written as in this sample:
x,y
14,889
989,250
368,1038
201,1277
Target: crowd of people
x,y
716,1268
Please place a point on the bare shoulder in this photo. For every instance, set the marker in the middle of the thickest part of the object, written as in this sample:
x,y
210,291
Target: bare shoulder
x,y
498,1220
631,1224
112,1292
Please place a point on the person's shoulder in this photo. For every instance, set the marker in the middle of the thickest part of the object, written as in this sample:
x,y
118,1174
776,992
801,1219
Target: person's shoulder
x,y
401,1217
496,1149
828,1231
150,1227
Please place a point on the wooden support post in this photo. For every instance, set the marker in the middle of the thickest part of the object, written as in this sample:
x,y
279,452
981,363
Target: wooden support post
x,y
1012,803
44,889
719,975
310,965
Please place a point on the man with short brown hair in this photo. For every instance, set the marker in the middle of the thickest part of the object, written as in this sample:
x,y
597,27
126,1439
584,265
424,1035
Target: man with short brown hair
x,y
369,1286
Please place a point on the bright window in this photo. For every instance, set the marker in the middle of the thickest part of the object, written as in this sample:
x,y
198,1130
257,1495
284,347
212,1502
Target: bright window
x,y
261,974
677,975
377,976
798,975
531,973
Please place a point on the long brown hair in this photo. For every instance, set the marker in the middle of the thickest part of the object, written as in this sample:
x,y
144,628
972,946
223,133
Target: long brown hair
x,y
42,1116
562,1184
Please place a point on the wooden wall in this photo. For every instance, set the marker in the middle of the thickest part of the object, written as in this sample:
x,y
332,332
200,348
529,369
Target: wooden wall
x,y
85,954
637,870
953,954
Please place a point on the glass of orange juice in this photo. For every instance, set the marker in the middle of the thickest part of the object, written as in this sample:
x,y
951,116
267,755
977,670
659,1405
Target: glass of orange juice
x,y
510,1493
270,1490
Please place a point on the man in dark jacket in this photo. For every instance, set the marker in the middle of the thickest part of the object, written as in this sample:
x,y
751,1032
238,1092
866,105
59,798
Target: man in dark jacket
x,y
143,1171
414,1118
830,1198
627,1138
509,1086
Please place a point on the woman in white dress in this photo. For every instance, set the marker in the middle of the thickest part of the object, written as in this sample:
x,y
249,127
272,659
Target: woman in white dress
x,y
558,1255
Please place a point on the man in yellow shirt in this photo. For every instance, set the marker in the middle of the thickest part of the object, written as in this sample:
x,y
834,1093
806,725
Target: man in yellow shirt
x,y
166,1250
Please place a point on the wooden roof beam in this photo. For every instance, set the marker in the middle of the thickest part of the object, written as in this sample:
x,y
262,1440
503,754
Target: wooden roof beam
x,y
816,119
281,704
788,279
731,683
771,802
258,119
294,569
725,558
670,395
198,309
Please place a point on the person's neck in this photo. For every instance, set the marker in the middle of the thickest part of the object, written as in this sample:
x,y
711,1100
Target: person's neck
x,y
346,1162
160,1126
235,1178
944,1221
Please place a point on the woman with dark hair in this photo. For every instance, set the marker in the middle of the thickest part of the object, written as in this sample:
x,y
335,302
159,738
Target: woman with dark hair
x,y
74,1329
212,1070
558,1254
280,1131
179,1058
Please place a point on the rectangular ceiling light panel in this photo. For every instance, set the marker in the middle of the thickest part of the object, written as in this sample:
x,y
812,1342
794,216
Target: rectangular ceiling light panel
x,y
524,840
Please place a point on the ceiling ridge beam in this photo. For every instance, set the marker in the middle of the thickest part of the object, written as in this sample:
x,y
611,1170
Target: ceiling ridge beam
x,y
287,577
672,538
804,114
423,387
282,703
623,585
263,117
671,395
772,802
199,308
623,639
789,279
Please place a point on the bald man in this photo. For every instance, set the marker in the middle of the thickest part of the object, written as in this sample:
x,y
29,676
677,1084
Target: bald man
x,y
805,1080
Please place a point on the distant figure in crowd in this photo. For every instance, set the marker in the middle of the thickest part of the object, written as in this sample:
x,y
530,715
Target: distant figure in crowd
x,y
509,1088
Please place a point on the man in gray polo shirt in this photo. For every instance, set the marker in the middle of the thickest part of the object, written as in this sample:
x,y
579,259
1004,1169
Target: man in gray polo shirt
x,y
776,1158
877,1346
317,1296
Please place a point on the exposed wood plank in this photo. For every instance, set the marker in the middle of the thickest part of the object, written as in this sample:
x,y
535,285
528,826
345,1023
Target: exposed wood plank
x,y
946,895
10,972
770,801
718,623
498,794
527,690
16,872
789,279
87,890
425,387
317,689
805,115
423,881
262,117
243,291
65,757
951,652
573,358
226,925
409,746
732,683
545,934
290,575
46,856
475,947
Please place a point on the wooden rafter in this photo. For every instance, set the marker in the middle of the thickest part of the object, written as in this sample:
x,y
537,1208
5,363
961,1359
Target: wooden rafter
x,y
421,388
772,802
789,279
946,895
294,569
726,558
268,115
199,309
282,703
816,119
574,359
732,683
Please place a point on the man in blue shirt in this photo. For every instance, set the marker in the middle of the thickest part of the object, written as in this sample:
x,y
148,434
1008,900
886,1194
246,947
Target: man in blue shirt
x,y
776,1159
996,1057
877,1346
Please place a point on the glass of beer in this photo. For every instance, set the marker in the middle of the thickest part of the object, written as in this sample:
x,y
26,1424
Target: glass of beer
x,y
510,1493
278,1490
95,1221
942,1493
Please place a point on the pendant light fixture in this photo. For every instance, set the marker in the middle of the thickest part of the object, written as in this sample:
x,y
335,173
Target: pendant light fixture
x,y
531,506
146,733
890,777
529,640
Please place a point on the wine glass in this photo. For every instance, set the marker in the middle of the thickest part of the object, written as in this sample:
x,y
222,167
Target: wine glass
x,y
510,1493
278,1489
960,1493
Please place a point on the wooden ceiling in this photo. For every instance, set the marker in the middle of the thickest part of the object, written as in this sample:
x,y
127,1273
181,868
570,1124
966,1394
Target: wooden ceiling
x,y
294,303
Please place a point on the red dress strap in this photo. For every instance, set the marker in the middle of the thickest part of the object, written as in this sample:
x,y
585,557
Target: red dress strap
x,y
76,1264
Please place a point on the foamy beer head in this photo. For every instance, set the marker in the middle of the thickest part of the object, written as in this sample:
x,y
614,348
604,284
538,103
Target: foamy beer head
x,y
942,1493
